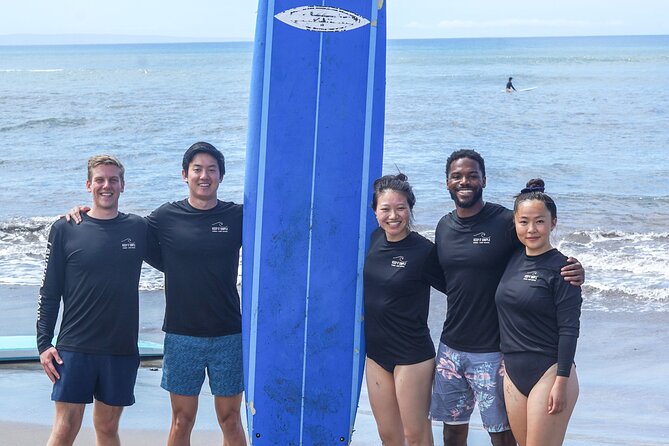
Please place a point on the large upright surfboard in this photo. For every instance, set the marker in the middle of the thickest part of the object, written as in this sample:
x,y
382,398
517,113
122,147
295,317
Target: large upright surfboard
x,y
314,149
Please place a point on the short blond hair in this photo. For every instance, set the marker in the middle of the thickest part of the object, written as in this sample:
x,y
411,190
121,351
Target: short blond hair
x,y
98,160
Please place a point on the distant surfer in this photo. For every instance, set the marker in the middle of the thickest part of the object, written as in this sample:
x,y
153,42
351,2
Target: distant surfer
x,y
200,238
474,243
399,268
94,267
509,86
539,326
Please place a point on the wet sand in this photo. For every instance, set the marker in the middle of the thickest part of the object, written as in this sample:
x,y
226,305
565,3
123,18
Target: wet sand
x,y
621,361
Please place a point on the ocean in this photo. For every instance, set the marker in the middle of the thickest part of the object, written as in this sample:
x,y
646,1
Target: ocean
x,y
595,128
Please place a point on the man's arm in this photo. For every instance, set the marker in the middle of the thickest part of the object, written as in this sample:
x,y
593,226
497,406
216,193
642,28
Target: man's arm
x,y
154,255
49,302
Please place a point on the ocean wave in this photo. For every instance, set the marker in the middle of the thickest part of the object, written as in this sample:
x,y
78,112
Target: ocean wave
x,y
20,70
46,122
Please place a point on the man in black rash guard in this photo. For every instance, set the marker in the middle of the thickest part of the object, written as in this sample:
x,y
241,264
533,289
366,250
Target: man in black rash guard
x,y
199,239
95,268
474,243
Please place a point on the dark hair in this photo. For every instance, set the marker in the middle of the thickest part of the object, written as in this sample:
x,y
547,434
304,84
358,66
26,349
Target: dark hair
x,y
510,78
465,153
534,190
398,183
203,147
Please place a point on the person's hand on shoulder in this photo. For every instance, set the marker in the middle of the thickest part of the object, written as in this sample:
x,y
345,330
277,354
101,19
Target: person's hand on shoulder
x,y
573,272
75,213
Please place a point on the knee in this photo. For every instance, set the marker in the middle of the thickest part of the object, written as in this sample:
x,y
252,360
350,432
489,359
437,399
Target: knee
x,y
418,435
229,419
455,434
390,436
183,420
106,427
64,432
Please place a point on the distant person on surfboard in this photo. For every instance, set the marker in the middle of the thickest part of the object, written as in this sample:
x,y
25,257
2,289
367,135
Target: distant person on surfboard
x,y
509,86
94,268
400,267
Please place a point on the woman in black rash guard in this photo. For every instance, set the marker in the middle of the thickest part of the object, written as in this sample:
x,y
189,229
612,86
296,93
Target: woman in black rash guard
x,y
400,267
539,324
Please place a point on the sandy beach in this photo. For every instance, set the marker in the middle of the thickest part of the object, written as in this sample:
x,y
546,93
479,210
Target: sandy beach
x,y
621,362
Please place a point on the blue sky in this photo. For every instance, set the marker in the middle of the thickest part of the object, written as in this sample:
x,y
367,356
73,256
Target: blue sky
x,y
235,19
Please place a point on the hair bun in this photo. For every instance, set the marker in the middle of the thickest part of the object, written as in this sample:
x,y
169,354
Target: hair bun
x,y
400,176
536,182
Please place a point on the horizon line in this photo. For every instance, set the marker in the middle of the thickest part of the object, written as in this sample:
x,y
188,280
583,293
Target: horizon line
x,y
130,39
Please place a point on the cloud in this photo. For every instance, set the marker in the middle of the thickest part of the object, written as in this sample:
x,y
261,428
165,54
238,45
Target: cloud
x,y
528,23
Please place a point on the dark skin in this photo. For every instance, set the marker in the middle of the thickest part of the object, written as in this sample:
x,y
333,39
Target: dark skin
x,y
465,182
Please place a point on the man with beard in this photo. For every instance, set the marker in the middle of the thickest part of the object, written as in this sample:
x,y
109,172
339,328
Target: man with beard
x,y
474,243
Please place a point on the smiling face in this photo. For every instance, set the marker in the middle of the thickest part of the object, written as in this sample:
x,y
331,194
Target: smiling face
x,y
533,226
106,185
465,183
393,214
203,178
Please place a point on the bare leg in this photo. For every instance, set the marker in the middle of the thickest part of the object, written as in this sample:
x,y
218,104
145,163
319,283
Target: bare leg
x,y
504,438
516,409
106,420
413,387
383,399
544,429
230,420
66,424
456,434
184,411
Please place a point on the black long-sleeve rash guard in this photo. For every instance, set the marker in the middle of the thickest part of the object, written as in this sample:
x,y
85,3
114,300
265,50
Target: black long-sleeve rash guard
x,y
95,267
538,311
473,253
200,259
397,277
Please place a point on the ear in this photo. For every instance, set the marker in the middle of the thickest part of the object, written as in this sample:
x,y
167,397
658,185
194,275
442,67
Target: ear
x,y
88,185
483,182
184,175
220,180
122,185
553,223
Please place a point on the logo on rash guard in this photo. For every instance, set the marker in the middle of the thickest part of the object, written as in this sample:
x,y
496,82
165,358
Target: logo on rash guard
x,y
219,227
128,244
481,239
532,276
398,262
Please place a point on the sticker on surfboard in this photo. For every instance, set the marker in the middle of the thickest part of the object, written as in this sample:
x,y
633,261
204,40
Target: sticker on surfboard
x,y
322,19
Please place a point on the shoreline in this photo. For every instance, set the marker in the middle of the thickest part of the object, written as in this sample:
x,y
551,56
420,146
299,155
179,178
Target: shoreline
x,y
618,404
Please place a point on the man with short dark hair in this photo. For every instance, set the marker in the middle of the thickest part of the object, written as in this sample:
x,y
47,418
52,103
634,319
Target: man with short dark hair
x,y
95,268
200,238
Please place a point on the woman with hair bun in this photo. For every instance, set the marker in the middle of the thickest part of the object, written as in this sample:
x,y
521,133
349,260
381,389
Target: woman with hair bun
x,y
539,324
400,267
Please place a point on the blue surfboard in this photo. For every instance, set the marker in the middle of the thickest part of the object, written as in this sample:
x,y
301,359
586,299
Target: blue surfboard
x,y
315,144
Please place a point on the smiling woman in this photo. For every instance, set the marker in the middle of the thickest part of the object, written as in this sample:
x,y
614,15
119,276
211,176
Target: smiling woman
x,y
539,324
400,267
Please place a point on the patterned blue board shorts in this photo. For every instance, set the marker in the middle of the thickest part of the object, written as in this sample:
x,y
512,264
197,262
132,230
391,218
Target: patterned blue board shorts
x,y
187,357
462,379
